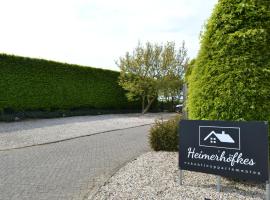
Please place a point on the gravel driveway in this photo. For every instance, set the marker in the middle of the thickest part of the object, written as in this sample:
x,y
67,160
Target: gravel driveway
x,y
155,175
42,131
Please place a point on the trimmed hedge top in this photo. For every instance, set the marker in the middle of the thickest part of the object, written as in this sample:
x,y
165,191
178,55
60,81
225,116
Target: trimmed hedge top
x,y
35,84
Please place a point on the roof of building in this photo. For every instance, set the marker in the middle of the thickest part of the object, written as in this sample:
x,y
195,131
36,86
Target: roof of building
x,y
222,137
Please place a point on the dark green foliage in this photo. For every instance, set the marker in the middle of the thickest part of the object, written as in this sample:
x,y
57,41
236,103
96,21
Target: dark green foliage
x,y
9,117
230,79
33,84
164,135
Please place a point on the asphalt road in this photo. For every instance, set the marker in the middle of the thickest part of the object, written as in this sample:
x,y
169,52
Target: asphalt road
x,y
71,169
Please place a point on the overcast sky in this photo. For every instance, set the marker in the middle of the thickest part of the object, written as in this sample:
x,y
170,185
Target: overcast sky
x,y
97,32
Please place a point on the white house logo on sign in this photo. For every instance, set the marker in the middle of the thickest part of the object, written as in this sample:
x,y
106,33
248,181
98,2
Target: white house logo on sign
x,y
226,148
219,137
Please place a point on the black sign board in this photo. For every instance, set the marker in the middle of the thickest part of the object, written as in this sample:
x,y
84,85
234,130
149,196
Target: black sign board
x,y
226,148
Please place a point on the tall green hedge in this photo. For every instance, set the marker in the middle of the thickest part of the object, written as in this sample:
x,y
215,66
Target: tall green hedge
x,y
35,84
230,79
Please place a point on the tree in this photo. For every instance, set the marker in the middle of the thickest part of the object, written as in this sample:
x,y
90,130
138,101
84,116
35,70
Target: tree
x,y
171,91
230,77
152,70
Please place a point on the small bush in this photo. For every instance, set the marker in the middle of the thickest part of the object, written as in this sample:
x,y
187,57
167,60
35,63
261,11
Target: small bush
x,y
164,135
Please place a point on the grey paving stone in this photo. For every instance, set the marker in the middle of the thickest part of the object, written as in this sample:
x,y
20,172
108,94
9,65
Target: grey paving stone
x,y
70,169
34,132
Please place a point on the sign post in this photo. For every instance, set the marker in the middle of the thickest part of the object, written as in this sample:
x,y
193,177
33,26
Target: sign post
x,y
267,191
225,148
218,183
184,117
180,177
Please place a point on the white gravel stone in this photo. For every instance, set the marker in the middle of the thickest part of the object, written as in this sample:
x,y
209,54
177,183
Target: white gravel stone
x,y
40,131
155,175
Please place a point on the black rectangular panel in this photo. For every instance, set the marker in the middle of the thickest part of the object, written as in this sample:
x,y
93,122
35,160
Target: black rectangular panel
x,y
226,148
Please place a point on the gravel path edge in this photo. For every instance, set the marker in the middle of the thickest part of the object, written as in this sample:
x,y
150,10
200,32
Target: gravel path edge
x,y
72,138
93,192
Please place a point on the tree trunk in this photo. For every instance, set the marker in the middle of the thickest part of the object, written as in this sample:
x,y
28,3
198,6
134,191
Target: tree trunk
x,y
172,109
148,105
143,98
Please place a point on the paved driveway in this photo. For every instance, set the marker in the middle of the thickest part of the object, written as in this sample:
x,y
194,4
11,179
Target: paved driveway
x,y
70,169
35,132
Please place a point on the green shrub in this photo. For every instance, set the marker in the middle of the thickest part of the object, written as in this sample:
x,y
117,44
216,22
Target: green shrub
x,y
164,135
39,85
230,77
10,117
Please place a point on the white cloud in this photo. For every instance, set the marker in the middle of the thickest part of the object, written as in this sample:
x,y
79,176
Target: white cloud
x,y
97,32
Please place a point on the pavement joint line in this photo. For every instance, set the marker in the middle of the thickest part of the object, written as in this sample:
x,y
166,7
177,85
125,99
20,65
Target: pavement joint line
x,y
71,138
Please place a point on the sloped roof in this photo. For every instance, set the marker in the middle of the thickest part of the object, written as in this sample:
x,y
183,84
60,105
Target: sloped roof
x,y
222,137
